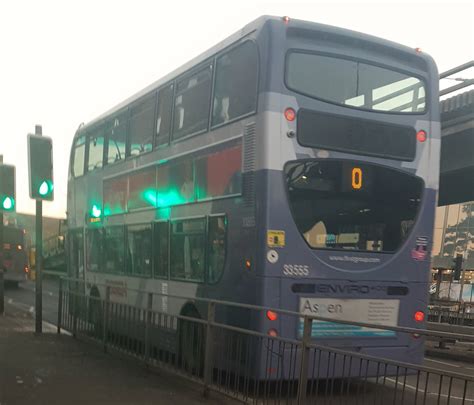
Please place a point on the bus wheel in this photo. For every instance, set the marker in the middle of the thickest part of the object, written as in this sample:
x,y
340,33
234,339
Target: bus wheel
x,y
191,341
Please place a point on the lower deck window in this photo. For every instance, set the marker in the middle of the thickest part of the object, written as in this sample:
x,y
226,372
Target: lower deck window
x,y
76,258
160,247
94,249
187,249
139,248
217,247
114,252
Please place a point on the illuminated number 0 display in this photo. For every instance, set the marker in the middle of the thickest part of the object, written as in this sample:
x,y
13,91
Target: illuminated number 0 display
x,y
356,178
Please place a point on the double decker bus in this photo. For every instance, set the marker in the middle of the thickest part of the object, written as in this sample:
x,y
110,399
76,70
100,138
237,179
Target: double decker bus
x,y
15,257
294,165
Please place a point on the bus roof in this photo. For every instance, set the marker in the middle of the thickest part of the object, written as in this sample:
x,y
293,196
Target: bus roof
x,y
246,30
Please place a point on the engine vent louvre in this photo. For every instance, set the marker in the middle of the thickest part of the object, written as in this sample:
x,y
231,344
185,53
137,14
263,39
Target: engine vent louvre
x,y
249,165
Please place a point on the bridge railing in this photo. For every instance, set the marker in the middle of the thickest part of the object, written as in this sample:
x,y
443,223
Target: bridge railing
x,y
255,367
462,83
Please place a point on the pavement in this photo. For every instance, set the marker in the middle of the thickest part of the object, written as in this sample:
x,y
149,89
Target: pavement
x,y
58,369
61,370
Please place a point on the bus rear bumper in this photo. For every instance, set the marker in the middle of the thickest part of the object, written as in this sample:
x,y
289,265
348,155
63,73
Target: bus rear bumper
x,y
13,276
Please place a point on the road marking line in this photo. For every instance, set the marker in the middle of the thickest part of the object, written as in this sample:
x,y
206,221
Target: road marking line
x,y
429,393
443,362
449,364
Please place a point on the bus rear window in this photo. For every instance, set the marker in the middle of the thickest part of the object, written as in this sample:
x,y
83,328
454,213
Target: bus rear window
x,y
349,205
354,84
13,236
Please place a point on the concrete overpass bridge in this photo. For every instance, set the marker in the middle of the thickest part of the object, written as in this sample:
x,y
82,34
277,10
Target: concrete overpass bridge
x,y
457,142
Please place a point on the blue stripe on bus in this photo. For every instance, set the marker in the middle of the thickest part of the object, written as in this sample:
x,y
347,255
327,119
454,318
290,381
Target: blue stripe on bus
x,y
326,329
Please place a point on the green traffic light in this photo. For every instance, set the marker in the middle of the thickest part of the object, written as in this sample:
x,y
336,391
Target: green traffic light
x,y
45,188
8,203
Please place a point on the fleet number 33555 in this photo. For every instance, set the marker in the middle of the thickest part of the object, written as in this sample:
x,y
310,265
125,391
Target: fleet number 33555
x,y
298,270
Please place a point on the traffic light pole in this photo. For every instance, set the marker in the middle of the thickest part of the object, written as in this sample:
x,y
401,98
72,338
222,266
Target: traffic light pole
x,y
39,259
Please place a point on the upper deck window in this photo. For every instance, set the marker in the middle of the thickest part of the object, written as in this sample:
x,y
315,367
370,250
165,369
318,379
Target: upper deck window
x,y
79,155
235,93
354,83
191,103
141,125
116,133
96,149
163,118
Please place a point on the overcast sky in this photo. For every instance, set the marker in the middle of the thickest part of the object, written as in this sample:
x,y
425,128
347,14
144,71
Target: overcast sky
x,y
66,62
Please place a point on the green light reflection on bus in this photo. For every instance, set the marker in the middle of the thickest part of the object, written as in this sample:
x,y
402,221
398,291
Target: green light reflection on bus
x,y
160,199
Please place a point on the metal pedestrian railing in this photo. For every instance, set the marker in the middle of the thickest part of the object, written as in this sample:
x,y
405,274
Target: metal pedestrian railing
x,y
462,315
249,365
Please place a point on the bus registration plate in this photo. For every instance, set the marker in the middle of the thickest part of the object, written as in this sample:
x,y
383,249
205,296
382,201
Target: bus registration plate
x,y
374,311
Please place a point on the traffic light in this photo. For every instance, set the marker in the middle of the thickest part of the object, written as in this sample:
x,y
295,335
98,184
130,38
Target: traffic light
x,y
457,267
40,166
7,188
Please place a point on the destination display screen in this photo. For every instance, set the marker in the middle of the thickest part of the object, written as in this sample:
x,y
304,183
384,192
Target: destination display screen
x,y
356,135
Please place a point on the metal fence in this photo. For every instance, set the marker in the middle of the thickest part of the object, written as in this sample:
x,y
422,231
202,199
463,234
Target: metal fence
x,y
251,366
461,314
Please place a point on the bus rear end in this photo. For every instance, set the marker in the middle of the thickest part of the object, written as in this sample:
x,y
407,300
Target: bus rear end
x,y
348,187
15,261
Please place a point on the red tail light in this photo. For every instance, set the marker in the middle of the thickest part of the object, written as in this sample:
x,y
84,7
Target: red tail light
x,y
419,316
421,136
290,114
272,315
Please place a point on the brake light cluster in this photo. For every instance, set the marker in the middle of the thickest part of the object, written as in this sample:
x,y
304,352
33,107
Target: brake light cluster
x,y
272,316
